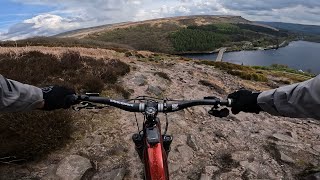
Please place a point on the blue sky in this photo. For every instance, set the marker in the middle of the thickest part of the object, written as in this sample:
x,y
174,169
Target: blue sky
x,y
14,12
26,18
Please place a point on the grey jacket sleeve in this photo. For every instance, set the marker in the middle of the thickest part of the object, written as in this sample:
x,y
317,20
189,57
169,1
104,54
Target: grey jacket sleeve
x,y
15,96
301,100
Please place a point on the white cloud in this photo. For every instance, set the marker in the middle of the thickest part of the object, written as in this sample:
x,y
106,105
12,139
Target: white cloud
x,y
52,22
183,9
135,2
45,24
72,14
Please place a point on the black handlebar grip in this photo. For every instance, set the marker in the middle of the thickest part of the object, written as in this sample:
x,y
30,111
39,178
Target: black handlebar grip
x,y
72,99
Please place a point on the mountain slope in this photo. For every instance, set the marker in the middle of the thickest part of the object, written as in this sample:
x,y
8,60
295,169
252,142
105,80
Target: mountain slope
x,y
297,28
180,21
185,34
242,146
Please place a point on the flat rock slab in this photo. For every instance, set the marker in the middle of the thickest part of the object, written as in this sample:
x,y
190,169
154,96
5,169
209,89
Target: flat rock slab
x,y
140,80
116,174
73,167
286,158
253,167
204,177
316,148
283,137
156,90
211,170
191,142
315,176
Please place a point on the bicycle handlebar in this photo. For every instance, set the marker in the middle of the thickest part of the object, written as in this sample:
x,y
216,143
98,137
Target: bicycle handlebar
x,y
140,107
186,104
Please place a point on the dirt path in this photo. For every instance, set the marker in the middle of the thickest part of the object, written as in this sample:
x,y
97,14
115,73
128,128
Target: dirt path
x,y
239,146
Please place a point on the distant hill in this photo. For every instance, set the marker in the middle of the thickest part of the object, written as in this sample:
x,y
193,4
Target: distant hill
x,y
186,34
179,21
297,28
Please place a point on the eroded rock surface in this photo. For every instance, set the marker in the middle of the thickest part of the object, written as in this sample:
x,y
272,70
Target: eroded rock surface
x,y
73,167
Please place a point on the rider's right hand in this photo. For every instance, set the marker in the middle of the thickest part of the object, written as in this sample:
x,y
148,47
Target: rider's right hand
x,y
244,100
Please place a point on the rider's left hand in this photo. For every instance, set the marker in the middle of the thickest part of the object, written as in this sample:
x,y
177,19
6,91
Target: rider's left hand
x,y
55,97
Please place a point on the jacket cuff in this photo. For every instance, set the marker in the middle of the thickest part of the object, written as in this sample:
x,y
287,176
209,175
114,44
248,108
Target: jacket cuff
x,y
36,96
266,102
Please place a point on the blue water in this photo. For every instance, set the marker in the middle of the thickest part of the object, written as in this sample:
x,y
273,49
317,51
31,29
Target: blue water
x,y
298,55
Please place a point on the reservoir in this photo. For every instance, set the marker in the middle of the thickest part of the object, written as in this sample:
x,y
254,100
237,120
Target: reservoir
x,y
297,55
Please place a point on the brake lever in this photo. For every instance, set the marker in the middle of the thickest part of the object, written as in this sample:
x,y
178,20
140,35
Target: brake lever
x,y
92,94
211,97
87,105
219,113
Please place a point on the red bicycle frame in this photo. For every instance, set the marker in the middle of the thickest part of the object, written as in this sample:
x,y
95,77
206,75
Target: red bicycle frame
x,y
151,145
155,156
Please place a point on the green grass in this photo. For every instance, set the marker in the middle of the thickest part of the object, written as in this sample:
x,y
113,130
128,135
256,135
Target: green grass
x,y
261,73
243,72
172,38
141,37
284,68
283,71
65,42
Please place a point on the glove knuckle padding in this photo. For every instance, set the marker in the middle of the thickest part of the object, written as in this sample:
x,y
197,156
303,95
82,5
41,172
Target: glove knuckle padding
x,y
55,97
244,100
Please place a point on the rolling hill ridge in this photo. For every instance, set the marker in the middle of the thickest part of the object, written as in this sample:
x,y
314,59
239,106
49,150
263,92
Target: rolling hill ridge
x,y
186,34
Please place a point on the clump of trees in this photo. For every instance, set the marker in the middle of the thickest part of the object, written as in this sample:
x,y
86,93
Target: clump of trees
x,y
212,36
196,40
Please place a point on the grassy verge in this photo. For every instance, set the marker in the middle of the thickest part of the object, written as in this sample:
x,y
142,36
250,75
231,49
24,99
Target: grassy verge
x,y
243,72
65,42
30,135
279,73
283,68
283,71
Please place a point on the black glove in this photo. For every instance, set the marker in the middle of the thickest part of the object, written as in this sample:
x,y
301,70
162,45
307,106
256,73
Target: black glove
x,y
244,100
55,97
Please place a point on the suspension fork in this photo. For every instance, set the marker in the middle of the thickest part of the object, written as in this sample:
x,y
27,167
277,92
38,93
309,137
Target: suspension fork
x,y
140,145
153,149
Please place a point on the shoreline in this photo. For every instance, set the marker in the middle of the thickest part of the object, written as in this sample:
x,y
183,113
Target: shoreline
x,y
290,55
229,49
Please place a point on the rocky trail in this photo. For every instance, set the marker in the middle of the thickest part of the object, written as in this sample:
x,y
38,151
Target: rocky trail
x,y
243,146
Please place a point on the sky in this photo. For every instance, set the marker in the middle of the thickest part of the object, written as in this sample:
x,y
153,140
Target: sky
x,y
27,18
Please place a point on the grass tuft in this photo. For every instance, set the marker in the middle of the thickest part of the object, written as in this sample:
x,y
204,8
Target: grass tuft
x,y
212,86
163,75
31,135
244,72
